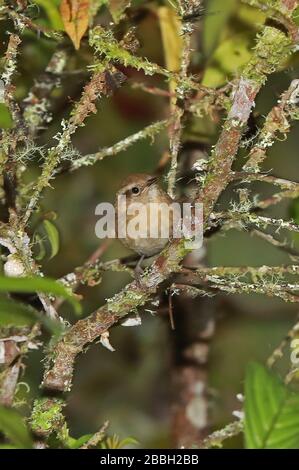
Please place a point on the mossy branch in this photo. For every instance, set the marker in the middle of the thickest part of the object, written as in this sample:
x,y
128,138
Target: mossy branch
x,y
148,132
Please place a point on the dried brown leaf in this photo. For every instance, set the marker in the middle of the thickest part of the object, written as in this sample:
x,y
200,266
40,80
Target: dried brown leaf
x,y
74,14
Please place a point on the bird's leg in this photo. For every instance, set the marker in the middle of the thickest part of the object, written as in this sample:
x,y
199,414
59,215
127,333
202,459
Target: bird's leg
x,y
138,269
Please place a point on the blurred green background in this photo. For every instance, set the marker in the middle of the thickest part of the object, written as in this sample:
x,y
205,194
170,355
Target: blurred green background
x,y
131,387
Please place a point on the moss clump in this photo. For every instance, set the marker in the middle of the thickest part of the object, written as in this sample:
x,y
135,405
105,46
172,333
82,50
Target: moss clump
x,y
47,416
271,46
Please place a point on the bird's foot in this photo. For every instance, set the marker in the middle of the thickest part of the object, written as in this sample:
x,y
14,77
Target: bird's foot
x,y
138,271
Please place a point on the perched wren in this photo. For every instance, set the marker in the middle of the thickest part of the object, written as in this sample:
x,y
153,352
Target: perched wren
x,y
144,189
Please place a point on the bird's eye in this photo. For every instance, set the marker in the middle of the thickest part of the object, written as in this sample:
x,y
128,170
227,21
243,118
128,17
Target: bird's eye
x,y
135,190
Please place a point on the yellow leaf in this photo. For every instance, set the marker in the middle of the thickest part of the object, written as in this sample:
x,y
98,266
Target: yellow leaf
x,y
228,59
172,42
74,14
171,37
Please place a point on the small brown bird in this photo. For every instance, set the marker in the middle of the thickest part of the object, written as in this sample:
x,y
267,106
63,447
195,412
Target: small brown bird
x,y
144,189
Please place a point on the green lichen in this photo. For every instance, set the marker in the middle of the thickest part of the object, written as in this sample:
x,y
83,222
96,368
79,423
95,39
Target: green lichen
x,y
47,416
104,43
48,422
272,47
119,303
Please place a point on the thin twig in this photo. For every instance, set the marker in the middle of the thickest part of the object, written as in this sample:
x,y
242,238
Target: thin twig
x,y
147,132
217,437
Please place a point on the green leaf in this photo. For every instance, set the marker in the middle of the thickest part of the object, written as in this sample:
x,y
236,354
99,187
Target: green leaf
x,y
252,17
38,284
228,59
271,411
53,237
114,442
16,313
5,117
13,427
52,13
128,441
38,242
217,15
77,443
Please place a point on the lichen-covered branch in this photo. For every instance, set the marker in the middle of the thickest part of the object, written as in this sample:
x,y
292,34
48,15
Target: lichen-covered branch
x,y
147,132
37,102
22,21
281,11
277,125
184,31
10,137
290,188
216,438
271,49
244,219
7,76
9,381
85,331
13,352
98,85
281,244
20,260
272,281
91,273
104,42
278,352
